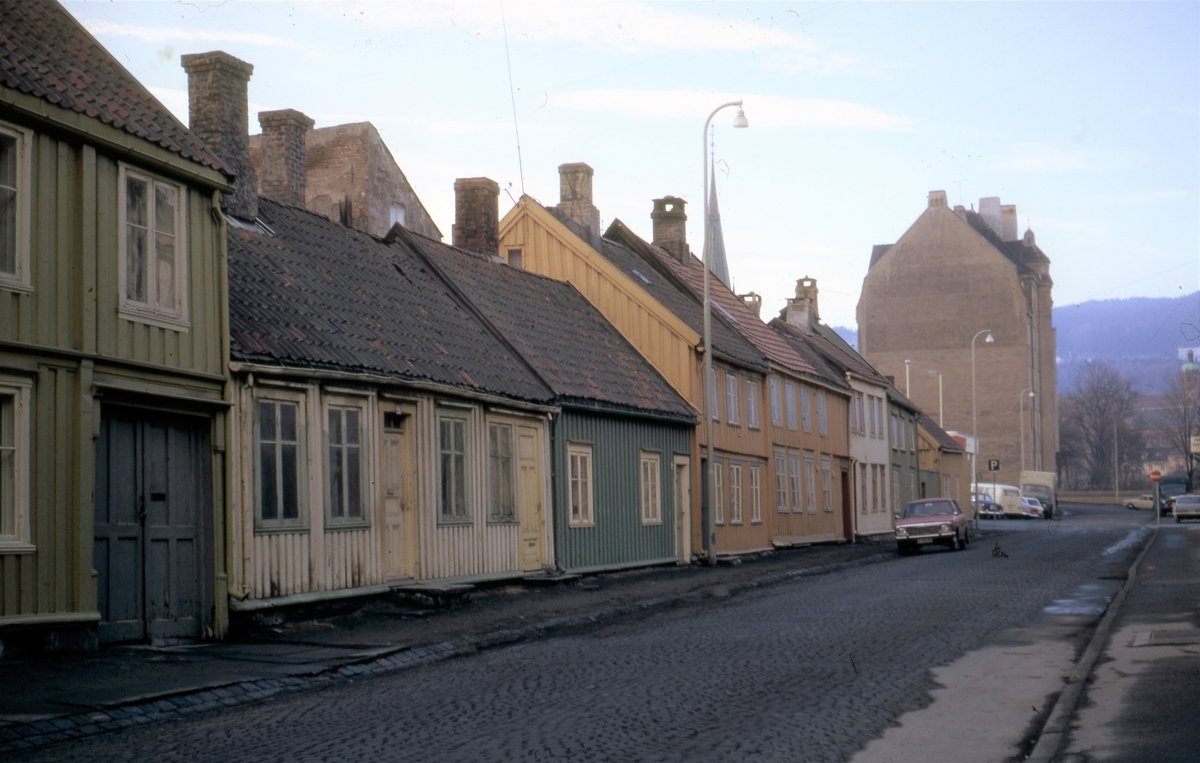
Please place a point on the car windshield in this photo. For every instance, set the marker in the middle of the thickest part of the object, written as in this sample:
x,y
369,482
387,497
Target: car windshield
x,y
928,508
1188,500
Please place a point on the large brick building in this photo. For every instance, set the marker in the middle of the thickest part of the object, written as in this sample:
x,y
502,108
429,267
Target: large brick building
x,y
953,273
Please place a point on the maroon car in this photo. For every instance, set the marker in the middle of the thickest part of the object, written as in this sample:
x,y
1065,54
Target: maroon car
x,y
929,521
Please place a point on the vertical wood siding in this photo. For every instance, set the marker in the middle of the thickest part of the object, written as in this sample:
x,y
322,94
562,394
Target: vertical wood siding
x,y
618,536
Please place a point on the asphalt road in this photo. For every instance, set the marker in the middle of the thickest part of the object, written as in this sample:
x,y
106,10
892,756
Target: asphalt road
x,y
810,670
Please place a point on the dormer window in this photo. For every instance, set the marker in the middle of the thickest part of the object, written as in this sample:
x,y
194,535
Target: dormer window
x,y
396,215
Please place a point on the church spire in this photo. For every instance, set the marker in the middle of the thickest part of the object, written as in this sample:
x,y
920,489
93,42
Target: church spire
x,y
718,266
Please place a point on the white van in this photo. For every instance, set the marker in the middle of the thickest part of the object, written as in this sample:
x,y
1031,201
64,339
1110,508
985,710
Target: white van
x,y
1007,496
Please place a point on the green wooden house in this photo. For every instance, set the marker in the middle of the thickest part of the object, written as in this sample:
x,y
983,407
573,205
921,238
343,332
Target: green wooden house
x,y
113,348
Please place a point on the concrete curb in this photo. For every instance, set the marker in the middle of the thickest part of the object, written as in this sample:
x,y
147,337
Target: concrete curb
x,y
1051,736
178,705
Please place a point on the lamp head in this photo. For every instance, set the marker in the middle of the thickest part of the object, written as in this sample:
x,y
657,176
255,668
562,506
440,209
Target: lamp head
x,y
740,120
989,340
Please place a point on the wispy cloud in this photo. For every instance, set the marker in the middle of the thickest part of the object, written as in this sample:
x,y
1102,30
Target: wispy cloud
x,y
766,111
158,34
1044,158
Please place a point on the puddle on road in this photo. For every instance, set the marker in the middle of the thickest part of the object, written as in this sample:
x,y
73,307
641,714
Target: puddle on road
x,y
1131,539
1087,599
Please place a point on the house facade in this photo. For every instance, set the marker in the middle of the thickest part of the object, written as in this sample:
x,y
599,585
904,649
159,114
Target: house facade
x,y
903,445
945,470
114,396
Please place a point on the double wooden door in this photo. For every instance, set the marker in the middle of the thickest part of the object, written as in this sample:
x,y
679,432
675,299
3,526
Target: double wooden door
x,y
152,531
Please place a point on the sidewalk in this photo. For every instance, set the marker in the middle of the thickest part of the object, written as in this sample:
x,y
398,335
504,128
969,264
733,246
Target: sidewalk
x,y
54,698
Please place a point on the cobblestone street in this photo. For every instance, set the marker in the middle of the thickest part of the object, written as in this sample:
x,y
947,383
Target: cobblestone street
x,y
811,669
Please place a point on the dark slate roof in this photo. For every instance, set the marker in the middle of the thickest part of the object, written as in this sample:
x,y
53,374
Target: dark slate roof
x,y
45,52
897,397
681,302
1018,252
877,253
570,345
944,441
847,356
816,351
319,295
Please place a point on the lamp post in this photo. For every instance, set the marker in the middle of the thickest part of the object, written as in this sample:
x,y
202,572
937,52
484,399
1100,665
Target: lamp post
x,y
975,415
938,374
709,392
907,386
1022,404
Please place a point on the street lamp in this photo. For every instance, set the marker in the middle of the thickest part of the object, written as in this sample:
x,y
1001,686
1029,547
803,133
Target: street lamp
x,y
1022,403
907,386
709,381
938,374
975,414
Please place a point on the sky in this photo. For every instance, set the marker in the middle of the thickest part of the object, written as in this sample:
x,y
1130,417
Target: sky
x,y
1082,114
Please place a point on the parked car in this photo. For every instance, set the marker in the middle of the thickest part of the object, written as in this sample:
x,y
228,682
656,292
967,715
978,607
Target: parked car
x,y
1031,508
1187,506
1141,502
986,508
932,521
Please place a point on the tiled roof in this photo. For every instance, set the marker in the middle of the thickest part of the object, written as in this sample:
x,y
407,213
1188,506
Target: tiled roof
x,y
816,351
46,53
846,355
319,295
746,322
944,441
679,299
1016,251
570,345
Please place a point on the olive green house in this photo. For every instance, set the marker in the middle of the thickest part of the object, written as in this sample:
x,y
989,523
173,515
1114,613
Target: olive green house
x,y
113,348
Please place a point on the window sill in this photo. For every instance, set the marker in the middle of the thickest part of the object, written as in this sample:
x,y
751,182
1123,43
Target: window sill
x,y
581,525
455,521
736,524
10,283
344,525
651,522
756,521
16,547
502,521
281,529
154,318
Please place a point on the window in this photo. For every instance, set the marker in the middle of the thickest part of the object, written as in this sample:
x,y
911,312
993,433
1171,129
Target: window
x,y
579,459
794,480
873,412
781,478
516,259
396,215
756,494
826,484
858,403
651,495
345,466
946,486
719,489
863,503
895,433
752,418
776,412
882,500
810,481
153,251
502,477
712,391
14,465
790,394
732,400
805,413
912,484
735,494
279,463
822,419
896,490
452,468
14,207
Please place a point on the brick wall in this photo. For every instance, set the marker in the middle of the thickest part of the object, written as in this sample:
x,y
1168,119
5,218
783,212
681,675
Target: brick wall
x,y
218,113
283,166
477,215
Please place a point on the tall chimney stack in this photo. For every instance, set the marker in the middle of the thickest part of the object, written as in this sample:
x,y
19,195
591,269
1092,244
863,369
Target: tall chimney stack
x,y
801,311
575,198
670,227
989,210
218,113
284,155
937,199
1008,222
477,215
753,301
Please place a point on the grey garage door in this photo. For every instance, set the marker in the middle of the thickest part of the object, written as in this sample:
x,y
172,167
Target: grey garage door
x,y
153,505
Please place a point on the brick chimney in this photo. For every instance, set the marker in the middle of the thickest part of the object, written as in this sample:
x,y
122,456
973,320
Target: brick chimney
x,y
801,311
477,215
1008,222
284,155
937,199
575,198
218,113
989,210
752,301
670,227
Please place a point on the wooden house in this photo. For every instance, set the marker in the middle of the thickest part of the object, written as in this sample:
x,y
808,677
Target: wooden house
x,y
113,347
945,470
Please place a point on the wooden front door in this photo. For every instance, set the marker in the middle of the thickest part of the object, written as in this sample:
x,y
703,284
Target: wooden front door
x,y
397,497
683,500
529,498
151,540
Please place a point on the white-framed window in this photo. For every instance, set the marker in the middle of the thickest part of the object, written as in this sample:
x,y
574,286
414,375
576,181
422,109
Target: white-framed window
x,y
280,468
153,258
895,433
345,465
826,483
719,489
810,481
732,399
15,518
579,464
752,415
872,415
453,475
756,494
651,492
502,473
883,488
712,391
789,391
16,186
794,481
781,481
776,410
735,494
516,259
896,490
858,406
805,411
875,479
822,419
862,497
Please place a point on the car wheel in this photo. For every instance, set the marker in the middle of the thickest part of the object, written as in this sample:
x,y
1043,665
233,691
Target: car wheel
x,y
1129,505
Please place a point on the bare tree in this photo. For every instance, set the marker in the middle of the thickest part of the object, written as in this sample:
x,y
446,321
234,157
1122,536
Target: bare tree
x,y
1099,416
1179,418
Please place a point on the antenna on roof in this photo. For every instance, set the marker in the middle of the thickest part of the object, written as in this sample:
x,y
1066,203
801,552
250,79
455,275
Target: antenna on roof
x,y
512,97
514,201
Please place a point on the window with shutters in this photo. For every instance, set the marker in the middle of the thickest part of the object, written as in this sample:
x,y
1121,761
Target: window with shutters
x,y
281,462
776,410
579,465
753,389
719,490
732,400
794,481
152,250
822,420
756,494
810,481
781,481
735,493
790,394
805,413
